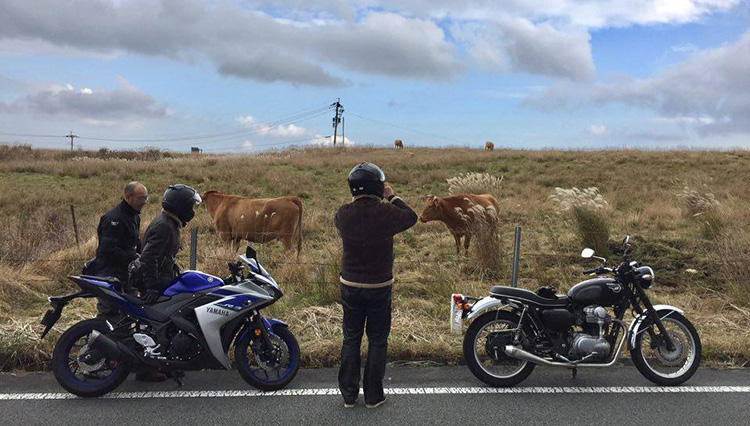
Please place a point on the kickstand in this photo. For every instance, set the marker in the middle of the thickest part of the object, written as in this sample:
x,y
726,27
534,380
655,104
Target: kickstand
x,y
574,371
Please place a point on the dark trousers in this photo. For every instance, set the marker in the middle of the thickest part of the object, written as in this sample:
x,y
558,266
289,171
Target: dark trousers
x,y
108,308
370,310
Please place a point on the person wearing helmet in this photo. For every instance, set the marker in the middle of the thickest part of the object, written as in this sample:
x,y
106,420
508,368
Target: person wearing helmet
x,y
161,242
366,227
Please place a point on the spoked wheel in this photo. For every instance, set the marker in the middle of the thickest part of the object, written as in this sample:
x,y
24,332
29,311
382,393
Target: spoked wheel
x,y
265,368
484,350
82,370
656,361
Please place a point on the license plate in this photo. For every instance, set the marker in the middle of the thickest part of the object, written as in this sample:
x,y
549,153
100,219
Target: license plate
x,y
456,321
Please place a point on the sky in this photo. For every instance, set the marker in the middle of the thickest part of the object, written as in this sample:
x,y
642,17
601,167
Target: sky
x,y
252,75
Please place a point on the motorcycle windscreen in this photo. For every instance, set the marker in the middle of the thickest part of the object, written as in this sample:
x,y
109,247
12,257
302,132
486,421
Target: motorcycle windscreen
x,y
191,282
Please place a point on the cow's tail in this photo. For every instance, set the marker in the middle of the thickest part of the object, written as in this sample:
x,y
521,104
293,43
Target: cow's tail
x,y
298,202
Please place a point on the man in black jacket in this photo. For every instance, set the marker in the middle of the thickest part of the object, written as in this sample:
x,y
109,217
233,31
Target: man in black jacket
x,y
162,240
367,226
119,241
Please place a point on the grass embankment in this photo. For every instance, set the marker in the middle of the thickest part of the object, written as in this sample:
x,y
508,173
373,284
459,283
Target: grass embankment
x,y
699,255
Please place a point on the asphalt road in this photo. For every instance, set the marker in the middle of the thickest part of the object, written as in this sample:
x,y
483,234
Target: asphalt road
x,y
424,395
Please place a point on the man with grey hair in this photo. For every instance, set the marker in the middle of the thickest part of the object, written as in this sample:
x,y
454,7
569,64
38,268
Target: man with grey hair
x,y
119,241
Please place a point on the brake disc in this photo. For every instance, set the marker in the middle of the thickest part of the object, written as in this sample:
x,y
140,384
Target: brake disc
x,y
675,357
278,355
89,368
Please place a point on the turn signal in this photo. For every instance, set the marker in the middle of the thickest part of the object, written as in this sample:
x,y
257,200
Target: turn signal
x,y
257,332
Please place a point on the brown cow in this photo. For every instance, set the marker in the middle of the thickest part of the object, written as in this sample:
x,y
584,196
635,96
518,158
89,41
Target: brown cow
x,y
398,144
489,146
460,213
258,220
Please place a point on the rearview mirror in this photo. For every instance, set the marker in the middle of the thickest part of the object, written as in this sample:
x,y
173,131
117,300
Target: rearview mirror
x,y
250,253
587,253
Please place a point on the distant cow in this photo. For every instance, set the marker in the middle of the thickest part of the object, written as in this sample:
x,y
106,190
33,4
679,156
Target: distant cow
x,y
461,214
397,144
489,146
258,220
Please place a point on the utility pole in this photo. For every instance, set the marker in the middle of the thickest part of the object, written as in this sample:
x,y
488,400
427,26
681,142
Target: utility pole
x,y
337,118
71,136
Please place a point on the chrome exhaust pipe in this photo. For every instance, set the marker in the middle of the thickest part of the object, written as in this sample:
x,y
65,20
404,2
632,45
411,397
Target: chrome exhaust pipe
x,y
518,353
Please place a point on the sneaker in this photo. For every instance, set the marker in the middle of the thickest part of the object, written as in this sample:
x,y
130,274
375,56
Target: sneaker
x,y
377,404
349,404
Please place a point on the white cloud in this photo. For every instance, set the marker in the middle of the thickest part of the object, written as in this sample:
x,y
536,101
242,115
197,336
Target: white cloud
x,y
307,42
518,45
598,129
320,140
709,91
125,105
684,48
279,130
246,120
247,146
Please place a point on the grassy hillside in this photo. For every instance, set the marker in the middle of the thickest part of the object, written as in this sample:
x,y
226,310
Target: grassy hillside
x,y
699,251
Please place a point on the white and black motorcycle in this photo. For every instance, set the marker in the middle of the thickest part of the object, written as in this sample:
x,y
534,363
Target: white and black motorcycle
x,y
513,329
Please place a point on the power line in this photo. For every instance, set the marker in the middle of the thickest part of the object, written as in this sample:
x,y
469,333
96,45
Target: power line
x,y
408,129
208,136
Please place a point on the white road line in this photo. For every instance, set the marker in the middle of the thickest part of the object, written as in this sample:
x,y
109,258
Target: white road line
x,y
390,391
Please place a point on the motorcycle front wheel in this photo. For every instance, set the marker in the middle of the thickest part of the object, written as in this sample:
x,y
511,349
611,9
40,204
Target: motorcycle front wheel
x,y
484,350
661,365
268,369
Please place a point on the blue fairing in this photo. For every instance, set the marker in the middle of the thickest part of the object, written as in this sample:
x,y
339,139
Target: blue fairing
x,y
191,282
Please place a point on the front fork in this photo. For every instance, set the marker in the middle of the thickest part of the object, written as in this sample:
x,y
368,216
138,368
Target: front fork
x,y
651,313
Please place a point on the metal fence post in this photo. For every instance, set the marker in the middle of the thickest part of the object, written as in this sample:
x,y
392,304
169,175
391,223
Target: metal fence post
x,y
75,225
193,247
516,256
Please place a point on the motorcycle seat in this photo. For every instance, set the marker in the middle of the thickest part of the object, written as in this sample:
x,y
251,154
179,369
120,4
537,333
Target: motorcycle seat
x,y
527,296
111,280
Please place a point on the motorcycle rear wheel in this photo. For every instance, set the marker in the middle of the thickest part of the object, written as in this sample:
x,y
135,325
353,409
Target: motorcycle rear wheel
x,y
495,369
81,370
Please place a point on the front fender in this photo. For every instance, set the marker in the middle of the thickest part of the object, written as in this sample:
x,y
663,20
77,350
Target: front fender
x,y
662,311
484,305
270,322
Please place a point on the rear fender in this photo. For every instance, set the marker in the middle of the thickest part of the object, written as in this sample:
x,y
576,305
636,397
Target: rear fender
x,y
486,304
636,327
58,303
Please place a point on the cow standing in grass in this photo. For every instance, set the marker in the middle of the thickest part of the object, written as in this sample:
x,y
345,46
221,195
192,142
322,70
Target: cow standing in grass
x,y
489,146
258,220
398,144
462,214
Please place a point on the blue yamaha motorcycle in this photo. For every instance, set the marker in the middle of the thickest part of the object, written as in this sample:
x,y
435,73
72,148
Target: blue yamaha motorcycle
x,y
191,327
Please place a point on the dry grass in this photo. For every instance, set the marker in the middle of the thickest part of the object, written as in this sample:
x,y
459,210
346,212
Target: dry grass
x,y
39,186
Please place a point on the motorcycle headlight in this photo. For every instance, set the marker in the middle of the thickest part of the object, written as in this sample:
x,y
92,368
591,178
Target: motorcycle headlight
x,y
645,276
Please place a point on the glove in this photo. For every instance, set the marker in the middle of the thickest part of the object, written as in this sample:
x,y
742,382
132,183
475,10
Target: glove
x,y
151,296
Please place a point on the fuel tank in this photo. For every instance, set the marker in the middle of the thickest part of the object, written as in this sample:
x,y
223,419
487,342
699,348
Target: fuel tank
x,y
597,291
192,281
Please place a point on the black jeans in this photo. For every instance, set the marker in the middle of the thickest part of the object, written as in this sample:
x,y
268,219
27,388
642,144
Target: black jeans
x,y
373,308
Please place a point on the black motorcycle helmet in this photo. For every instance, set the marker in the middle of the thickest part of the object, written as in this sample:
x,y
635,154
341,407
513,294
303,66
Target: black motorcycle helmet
x,y
366,178
180,200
